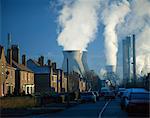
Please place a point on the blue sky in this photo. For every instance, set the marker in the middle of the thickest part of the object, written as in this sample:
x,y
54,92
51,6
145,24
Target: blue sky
x,y
34,28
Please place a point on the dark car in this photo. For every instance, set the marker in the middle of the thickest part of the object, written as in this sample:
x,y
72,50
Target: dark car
x,y
121,91
103,91
138,102
109,95
122,99
126,94
97,95
88,97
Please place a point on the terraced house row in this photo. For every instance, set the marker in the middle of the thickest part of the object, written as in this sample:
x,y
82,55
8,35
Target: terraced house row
x,y
34,76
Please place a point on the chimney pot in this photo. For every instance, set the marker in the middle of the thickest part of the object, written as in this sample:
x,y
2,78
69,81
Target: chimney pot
x,y
49,62
9,56
24,60
54,66
41,60
15,53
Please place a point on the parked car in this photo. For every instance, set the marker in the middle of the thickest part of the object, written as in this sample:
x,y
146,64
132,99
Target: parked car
x,y
126,94
109,95
121,91
137,102
97,95
88,97
122,99
103,91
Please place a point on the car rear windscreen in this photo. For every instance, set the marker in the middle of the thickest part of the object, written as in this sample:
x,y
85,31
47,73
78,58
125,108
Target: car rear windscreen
x,y
142,96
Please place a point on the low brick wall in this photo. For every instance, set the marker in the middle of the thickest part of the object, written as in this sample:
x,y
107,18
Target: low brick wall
x,y
18,102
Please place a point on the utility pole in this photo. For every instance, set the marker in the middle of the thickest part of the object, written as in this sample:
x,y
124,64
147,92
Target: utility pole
x,y
67,83
134,61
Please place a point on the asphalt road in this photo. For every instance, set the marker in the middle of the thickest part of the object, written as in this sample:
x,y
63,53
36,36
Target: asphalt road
x,y
113,110
101,109
86,110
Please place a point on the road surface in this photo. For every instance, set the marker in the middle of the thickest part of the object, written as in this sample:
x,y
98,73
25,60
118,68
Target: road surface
x,y
100,109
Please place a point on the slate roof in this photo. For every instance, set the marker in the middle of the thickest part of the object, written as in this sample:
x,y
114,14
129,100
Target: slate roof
x,y
35,62
36,68
21,67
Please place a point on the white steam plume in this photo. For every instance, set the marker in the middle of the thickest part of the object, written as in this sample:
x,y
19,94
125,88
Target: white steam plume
x,y
78,21
143,51
138,23
113,14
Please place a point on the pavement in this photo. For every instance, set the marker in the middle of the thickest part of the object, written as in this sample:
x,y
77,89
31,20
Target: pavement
x,y
48,108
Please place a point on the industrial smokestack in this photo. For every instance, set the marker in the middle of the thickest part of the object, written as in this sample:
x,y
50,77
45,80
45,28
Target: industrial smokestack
x,y
134,59
84,61
110,68
126,46
74,61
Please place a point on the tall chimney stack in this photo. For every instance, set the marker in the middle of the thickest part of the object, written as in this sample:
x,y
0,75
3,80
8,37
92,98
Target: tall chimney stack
x,y
9,56
24,60
15,53
134,60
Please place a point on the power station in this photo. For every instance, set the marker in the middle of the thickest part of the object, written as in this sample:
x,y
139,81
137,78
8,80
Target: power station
x,y
77,61
126,47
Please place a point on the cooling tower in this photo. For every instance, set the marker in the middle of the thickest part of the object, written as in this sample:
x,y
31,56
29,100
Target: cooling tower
x,y
75,59
84,61
110,68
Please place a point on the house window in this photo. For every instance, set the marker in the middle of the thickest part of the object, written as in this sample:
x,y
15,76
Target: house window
x,y
52,78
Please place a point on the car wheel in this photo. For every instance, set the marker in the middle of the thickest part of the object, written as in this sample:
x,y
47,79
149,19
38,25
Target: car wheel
x,y
128,109
94,100
122,107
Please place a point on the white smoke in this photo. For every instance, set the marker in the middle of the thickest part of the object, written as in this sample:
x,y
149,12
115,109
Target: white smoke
x,y
138,23
112,15
102,73
143,51
78,21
